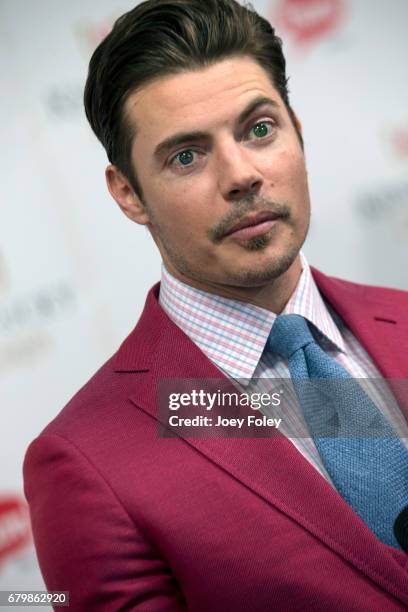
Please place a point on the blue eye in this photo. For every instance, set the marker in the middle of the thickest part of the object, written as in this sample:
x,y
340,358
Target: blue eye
x,y
185,157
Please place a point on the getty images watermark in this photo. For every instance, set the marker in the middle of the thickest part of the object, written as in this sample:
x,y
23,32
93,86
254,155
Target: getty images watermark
x,y
200,398
300,408
216,408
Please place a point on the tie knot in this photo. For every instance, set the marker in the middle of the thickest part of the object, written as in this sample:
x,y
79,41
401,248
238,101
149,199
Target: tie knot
x,y
289,333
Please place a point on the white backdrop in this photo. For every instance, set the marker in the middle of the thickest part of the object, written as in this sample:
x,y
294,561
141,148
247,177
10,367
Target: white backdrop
x,y
74,271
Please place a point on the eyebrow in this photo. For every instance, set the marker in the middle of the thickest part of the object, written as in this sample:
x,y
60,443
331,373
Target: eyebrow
x,y
198,136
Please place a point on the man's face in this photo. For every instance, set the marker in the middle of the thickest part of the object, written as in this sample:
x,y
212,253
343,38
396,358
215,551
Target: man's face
x,y
215,149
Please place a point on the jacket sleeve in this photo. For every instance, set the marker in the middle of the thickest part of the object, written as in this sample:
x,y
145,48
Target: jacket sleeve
x,y
86,542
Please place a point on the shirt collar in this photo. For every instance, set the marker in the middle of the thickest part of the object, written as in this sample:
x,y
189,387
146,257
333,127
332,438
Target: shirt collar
x,y
307,301
233,334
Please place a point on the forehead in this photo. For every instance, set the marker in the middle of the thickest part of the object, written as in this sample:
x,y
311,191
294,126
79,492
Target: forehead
x,y
201,97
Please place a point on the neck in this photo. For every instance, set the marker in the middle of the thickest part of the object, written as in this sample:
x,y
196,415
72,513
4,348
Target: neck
x,y
272,296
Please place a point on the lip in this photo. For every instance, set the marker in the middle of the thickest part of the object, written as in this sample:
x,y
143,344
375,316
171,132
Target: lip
x,y
253,225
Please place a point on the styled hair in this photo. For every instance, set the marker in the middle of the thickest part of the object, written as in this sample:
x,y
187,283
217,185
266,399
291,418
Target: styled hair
x,y
164,37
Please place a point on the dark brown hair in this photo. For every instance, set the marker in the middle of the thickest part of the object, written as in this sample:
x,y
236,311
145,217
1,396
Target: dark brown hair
x,y
163,37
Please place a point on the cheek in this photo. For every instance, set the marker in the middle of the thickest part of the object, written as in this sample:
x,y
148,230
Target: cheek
x,y
287,173
182,203
181,216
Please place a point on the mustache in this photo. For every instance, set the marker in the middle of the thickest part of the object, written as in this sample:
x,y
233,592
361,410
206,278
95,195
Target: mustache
x,y
241,209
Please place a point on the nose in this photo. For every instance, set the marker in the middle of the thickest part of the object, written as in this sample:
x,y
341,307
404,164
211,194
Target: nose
x,y
238,176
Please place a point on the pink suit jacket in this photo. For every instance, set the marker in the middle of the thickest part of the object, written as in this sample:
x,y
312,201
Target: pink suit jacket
x,y
127,520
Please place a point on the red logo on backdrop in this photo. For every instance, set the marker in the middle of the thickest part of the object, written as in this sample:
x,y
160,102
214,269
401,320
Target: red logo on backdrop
x,y
399,142
91,34
15,530
308,20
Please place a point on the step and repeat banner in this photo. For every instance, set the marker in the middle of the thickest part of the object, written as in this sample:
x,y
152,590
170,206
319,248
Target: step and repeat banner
x,y
74,271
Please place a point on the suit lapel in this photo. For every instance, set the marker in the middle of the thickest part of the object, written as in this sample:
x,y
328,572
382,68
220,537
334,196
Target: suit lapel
x,y
271,467
379,325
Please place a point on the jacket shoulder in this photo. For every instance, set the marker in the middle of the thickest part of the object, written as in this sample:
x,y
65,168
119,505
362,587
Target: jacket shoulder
x,y
377,293
93,405
372,292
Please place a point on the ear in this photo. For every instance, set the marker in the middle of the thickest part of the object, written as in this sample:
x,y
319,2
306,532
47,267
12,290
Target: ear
x,y
297,122
122,191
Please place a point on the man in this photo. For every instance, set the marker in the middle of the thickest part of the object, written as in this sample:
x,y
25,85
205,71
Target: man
x,y
190,100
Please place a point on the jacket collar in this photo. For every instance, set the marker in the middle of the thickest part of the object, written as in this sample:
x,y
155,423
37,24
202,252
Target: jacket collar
x,y
381,325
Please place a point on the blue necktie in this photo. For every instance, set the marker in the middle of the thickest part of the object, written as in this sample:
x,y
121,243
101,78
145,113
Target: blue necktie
x,y
361,451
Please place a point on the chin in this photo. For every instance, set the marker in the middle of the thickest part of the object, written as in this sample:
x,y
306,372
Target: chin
x,y
267,266
261,274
